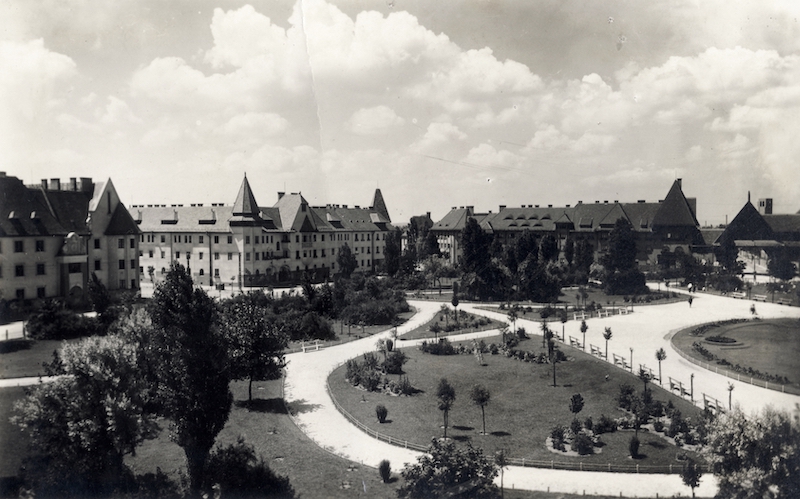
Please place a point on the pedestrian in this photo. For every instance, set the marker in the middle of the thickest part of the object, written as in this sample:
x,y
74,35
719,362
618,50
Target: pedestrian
x,y
690,302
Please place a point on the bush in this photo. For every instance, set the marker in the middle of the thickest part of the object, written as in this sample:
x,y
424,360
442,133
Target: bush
x,y
589,424
626,396
394,362
557,437
370,380
53,322
605,425
582,444
381,411
442,347
658,426
633,446
241,474
575,426
385,470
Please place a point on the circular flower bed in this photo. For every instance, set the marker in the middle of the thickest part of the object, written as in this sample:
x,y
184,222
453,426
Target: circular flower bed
x,y
720,339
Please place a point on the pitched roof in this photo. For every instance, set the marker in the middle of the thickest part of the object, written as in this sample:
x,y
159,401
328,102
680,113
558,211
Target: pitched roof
x,y
455,220
379,206
783,224
748,224
675,209
71,208
182,219
121,223
245,204
25,211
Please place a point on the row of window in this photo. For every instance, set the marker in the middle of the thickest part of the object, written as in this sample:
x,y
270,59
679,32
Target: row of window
x,y
19,270
41,292
264,239
19,246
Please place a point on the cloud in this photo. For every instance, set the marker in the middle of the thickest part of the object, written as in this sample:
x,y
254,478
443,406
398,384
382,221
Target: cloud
x,y
440,138
259,125
377,120
117,111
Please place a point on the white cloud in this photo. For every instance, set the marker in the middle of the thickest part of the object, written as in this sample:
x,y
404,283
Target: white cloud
x,y
257,125
377,120
117,111
439,137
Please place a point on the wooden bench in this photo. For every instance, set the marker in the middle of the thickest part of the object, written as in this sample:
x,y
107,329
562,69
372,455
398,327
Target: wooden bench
x,y
739,294
783,301
760,298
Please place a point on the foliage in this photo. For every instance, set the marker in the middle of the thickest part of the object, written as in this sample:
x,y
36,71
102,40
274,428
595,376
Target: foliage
x,y
393,364
781,266
238,472
53,322
385,470
441,347
633,446
392,252
691,474
621,275
757,456
446,471
446,397
190,368
582,444
346,261
727,255
381,412
83,423
480,396
626,396
255,341
576,403
605,425
557,437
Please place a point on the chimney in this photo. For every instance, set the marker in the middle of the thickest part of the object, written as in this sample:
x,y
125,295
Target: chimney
x,y
73,184
55,184
549,205
280,195
44,183
428,214
605,201
596,201
86,184
567,206
692,205
641,201
765,206
679,182
502,207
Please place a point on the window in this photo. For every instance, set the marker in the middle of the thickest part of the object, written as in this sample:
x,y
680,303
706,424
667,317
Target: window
x,y
246,239
39,269
142,238
20,294
201,239
19,270
176,239
216,239
133,242
368,250
200,256
257,255
150,253
19,246
141,269
97,264
133,264
216,272
315,253
297,255
297,239
323,238
377,250
163,238
177,255
323,252
39,245
247,256
230,256
40,292
189,238
278,244
133,283
162,254
121,265
216,256
96,244
121,243
122,284
368,236
202,272
315,238
230,239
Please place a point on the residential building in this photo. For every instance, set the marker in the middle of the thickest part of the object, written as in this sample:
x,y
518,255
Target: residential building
x,y
54,235
661,228
247,245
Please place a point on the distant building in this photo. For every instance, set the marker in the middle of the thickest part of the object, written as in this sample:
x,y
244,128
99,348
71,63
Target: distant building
x,y
248,245
54,235
661,228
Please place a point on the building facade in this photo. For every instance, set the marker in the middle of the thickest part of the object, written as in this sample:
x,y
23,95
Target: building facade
x,y
54,235
661,228
247,245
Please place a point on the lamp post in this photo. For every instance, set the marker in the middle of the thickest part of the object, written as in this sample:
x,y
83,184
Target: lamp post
x,y
691,386
631,359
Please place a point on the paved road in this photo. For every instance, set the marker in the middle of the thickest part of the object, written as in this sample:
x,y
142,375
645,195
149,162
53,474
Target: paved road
x,y
645,330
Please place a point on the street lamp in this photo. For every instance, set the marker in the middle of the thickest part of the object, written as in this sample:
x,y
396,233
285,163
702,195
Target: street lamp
x,y
691,386
631,359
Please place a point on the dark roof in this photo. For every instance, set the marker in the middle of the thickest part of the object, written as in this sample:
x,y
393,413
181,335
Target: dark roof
x,y
245,204
748,224
710,236
121,223
24,211
455,220
675,210
379,206
71,208
783,224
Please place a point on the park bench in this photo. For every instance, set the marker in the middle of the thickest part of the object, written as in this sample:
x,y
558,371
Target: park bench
x,y
596,351
783,301
739,294
574,342
760,297
579,315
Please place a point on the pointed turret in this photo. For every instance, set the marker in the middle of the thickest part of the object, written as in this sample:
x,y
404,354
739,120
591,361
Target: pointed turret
x,y
748,224
675,211
245,209
379,205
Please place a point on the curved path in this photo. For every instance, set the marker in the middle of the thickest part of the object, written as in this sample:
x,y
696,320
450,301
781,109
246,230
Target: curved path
x,y
645,330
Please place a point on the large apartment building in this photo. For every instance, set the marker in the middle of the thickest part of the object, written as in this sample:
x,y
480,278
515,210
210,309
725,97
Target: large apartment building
x,y
660,227
247,245
55,234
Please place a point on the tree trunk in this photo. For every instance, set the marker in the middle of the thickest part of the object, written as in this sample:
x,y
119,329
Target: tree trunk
x,y
554,373
195,463
250,390
483,416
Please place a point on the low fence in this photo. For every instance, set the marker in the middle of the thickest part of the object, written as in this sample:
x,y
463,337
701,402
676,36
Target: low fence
x,y
744,378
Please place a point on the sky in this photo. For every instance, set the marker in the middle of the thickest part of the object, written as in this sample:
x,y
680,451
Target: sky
x,y
439,104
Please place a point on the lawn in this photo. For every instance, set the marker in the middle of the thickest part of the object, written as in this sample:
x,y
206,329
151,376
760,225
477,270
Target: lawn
x,y
345,334
22,358
464,318
523,408
769,346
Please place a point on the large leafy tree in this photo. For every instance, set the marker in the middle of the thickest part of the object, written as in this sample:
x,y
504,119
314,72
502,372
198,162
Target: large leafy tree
x,y
189,366
727,255
255,340
82,424
757,456
781,266
621,274
447,471
346,261
584,256
392,252
548,248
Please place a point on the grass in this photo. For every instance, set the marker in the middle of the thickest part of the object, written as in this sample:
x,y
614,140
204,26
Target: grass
x,y
523,409
465,318
346,335
769,346
22,358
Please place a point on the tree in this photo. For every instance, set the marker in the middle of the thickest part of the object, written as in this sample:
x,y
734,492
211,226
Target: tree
x,y
392,252
569,251
513,315
446,395
660,355
576,404
480,396
727,255
780,266
607,335
584,256
621,274
431,246
730,396
553,358
501,462
98,295
562,316
448,471
255,342
82,424
644,376
757,456
691,473
454,301
190,365
548,248
151,271
346,261
584,328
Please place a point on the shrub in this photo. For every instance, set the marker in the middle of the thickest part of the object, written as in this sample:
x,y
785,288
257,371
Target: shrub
x,y
442,347
370,380
626,396
241,474
605,425
53,322
394,362
521,333
677,424
582,444
589,424
353,372
385,470
575,426
658,426
633,446
557,437
381,411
